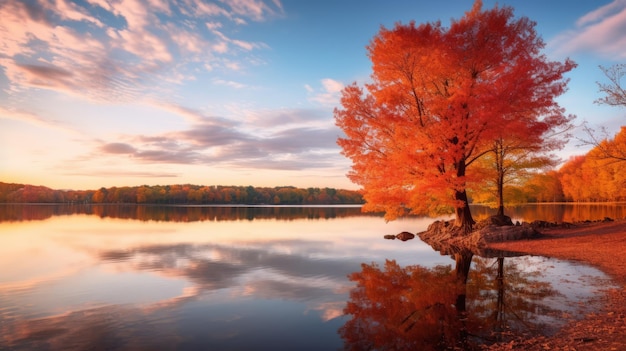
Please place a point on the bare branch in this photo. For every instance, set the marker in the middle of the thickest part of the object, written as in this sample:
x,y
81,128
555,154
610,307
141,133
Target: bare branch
x,y
615,94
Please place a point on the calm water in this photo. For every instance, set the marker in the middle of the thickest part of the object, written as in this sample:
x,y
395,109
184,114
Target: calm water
x,y
242,278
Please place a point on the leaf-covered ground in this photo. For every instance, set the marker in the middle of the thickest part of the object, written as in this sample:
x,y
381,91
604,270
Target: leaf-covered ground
x,y
601,244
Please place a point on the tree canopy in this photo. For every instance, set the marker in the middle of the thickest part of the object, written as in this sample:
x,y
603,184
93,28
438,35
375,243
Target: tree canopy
x,y
438,99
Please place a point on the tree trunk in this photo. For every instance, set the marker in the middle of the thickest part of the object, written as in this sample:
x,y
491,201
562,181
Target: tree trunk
x,y
463,218
500,194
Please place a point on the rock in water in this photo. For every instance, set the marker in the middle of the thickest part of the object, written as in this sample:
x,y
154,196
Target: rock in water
x,y
404,236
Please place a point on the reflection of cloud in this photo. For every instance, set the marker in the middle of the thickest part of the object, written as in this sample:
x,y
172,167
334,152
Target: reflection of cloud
x,y
287,290
106,328
196,262
331,310
258,271
600,31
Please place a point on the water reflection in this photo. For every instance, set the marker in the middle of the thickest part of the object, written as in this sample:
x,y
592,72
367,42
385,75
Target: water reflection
x,y
159,213
104,328
570,212
403,308
558,212
508,299
99,281
261,272
440,308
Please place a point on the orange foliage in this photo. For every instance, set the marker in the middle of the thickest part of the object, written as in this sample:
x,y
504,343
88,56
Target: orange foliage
x,y
598,175
439,97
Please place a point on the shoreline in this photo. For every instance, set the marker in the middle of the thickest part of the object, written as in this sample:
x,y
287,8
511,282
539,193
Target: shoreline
x,y
599,244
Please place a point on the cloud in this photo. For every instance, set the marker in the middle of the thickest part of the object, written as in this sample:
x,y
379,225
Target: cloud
x,y
287,117
33,118
110,173
117,148
255,9
600,31
230,83
122,50
191,115
224,40
292,145
329,93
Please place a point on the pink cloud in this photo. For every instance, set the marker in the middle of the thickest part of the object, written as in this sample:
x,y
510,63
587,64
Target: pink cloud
x,y
328,95
600,31
255,9
69,47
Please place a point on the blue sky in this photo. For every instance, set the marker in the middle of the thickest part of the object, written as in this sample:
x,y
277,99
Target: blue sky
x,y
129,92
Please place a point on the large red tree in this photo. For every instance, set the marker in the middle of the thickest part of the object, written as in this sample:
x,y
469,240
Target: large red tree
x,y
438,98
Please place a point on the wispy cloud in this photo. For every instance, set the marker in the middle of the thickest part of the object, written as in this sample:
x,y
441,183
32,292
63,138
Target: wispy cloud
x,y
600,31
230,83
218,141
120,50
328,94
122,173
34,119
286,118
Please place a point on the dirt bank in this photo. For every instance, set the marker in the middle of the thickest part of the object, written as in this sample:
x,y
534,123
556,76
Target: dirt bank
x,y
601,244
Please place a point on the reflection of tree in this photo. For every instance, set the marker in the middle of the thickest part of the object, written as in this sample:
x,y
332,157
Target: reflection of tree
x,y
177,213
569,212
403,309
417,308
551,212
507,299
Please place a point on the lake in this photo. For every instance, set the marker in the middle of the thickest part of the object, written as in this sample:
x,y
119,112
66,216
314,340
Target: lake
x,y
125,277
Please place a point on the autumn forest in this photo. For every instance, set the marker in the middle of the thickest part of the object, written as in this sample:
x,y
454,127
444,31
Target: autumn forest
x,y
180,194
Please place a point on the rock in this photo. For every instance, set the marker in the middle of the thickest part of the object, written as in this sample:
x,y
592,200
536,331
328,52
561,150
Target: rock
x,y
443,229
404,236
543,224
500,220
390,237
491,234
443,236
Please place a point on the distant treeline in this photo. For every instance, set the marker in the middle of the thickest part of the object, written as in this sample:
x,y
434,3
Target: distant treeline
x,y
180,195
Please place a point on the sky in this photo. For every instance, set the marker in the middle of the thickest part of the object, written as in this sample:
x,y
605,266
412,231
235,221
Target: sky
x,y
102,93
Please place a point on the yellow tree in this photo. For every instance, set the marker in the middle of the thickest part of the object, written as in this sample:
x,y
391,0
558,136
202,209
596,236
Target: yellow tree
x,y
438,98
